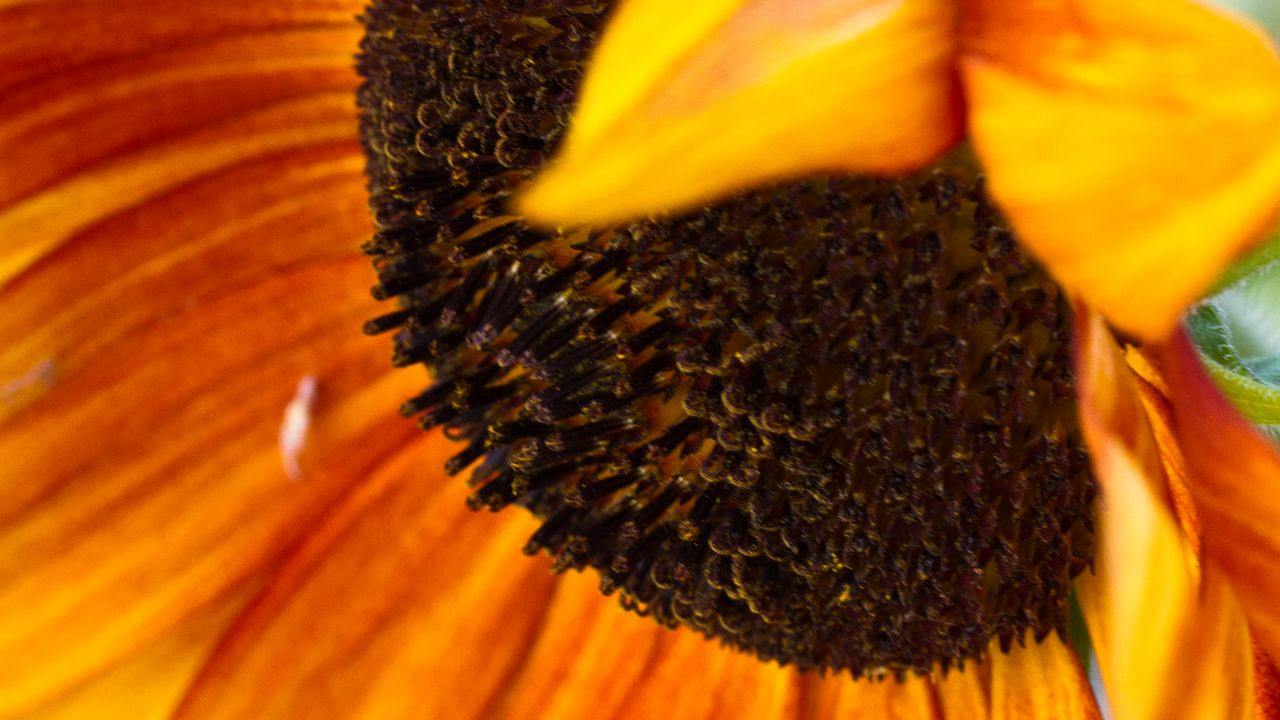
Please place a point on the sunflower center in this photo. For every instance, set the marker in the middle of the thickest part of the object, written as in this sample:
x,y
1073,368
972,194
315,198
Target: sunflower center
x,y
830,423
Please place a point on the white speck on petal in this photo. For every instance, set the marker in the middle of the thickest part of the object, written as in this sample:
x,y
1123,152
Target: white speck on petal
x,y
296,424
39,377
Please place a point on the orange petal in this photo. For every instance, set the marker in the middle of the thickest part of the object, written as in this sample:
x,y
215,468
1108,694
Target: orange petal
x,y
168,282
1235,480
1141,598
149,684
1134,144
695,679
592,659
57,35
685,101
964,695
1209,673
839,697
1266,686
1168,645
1153,392
404,603
144,478
103,107
1040,681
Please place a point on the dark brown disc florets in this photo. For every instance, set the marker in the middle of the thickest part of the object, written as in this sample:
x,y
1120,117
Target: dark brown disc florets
x,y
830,423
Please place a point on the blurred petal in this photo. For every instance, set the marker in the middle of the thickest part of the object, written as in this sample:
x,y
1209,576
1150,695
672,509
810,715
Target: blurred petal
x,y
1141,596
687,101
1153,391
149,684
1213,670
1168,644
1235,480
1134,144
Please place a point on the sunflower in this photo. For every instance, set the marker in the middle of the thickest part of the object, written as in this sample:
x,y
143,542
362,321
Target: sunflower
x,y
182,202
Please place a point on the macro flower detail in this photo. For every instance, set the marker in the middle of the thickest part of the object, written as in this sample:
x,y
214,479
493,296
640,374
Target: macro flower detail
x,y
1081,114
747,91
828,424
211,509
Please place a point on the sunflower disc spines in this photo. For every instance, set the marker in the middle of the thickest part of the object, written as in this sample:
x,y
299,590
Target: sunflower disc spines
x,y
829,424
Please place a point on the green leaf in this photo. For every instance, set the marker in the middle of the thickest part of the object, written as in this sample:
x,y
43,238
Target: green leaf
x,y
1264,12
1237,330
1077,631
1267,255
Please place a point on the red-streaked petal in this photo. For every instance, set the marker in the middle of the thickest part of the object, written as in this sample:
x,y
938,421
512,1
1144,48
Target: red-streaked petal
x,y
1134,144
103,107
182,201
694,679
592,659
403,603
685,102
1154,393
51,37
964,695
1235,480
1171,641
1266,686
149,683
143,476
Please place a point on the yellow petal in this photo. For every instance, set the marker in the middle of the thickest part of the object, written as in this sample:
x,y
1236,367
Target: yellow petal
x,y
1212,673
1235,481
1140,600
686,101
1040,682
149,684
1168,644
1134,144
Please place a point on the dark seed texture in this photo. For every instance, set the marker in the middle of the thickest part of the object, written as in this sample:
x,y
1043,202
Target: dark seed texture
x,y
830,423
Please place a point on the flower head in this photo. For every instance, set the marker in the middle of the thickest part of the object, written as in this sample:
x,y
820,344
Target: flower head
x,y
1117,136
180,218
